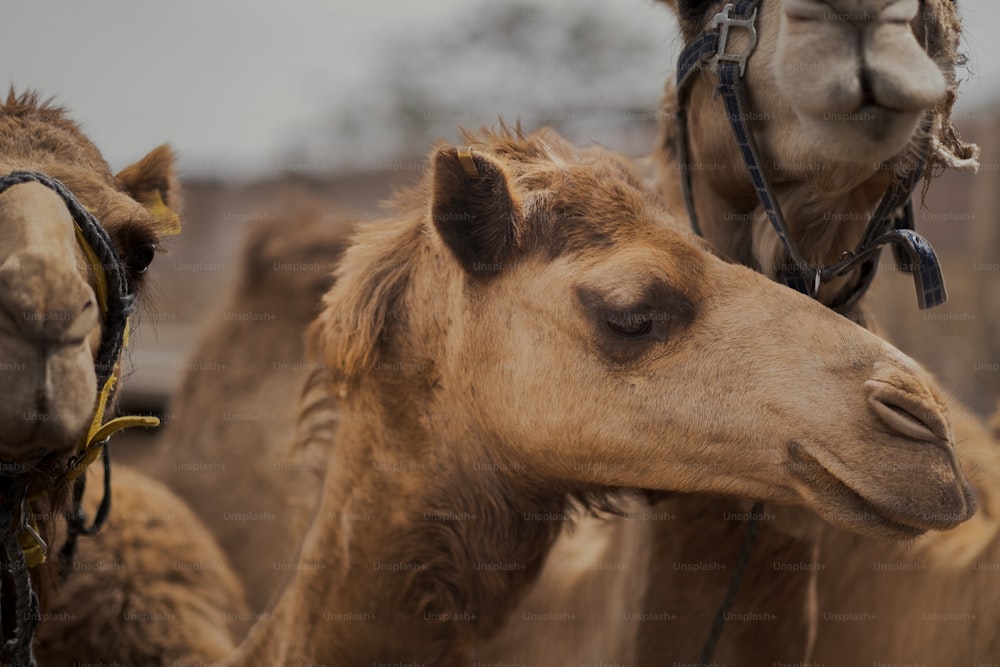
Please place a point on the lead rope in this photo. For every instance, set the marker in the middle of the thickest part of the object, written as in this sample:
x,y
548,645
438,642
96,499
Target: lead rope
x,y
753,527
76,518
812,598
17,644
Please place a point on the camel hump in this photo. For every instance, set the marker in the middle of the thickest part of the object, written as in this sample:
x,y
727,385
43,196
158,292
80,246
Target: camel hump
x,y
294,251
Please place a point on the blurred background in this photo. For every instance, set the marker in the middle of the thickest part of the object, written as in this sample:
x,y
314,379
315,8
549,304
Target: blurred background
x,y
264,100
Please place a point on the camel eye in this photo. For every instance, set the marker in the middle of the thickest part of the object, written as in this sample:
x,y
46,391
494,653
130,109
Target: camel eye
x,y
630,325
140,257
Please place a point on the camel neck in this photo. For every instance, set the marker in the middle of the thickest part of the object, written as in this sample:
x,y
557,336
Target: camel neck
x,y
413,541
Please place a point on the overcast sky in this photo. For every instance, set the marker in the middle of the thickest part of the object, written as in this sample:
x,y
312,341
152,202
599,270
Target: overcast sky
x,y
233,83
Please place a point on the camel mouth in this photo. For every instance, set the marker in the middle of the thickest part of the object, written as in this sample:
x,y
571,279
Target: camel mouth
x,y
842,505
38,446
30,434
870,133
877,120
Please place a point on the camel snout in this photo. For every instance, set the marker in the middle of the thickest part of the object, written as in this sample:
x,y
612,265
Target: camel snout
x,y
871,60
51,401
901,75
49,318
46,305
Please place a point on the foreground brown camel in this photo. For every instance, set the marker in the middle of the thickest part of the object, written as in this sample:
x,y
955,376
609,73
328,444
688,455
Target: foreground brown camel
x,y
476,342
53,328
806,581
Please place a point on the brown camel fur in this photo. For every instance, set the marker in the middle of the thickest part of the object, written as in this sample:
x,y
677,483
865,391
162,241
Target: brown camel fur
x,y
236,406
48,336
153,588
805,578
475,342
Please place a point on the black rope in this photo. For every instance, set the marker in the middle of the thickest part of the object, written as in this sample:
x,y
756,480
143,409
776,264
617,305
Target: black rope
x,y
16,644
753,527
76,518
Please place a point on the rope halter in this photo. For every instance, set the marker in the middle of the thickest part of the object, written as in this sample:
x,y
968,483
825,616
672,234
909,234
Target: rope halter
x,y
17,525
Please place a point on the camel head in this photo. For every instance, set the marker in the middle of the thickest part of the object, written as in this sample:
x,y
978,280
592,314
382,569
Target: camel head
x,y
537,306
841,80
844,96
51,320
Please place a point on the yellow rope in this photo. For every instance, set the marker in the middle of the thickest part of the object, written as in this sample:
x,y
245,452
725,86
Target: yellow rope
x,y
99,431
100,282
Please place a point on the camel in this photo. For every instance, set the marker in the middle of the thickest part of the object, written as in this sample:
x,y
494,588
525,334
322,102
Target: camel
x,y
828,177
287,261
944,613
475,342
832,134
65,292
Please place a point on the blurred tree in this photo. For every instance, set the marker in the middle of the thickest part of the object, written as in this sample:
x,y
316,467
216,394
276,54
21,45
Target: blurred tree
x,y
552,63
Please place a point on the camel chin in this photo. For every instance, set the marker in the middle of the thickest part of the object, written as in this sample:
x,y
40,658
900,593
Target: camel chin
x,y
869,135
857,506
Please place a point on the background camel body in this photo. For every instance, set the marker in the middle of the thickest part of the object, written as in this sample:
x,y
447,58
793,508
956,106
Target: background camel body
x,y
524,265
827,193
49,337
235,411
153,588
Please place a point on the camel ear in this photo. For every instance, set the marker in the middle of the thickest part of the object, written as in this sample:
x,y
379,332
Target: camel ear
x,y
474,210
152,181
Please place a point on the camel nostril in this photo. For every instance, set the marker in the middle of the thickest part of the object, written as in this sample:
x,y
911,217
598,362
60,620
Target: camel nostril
x,y
909,419
867,88
82,324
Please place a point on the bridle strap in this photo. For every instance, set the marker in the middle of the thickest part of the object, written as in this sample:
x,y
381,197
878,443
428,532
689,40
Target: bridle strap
x,y
892,222
705,52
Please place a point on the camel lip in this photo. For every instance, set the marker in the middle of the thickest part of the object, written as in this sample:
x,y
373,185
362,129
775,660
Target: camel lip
x,y
15,461
885,132
854,511
31,449
867,113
